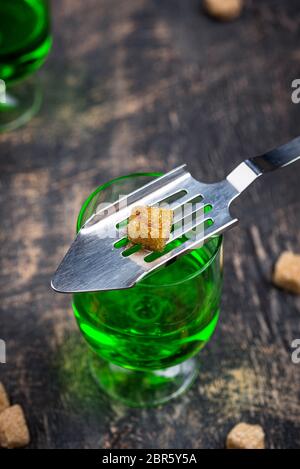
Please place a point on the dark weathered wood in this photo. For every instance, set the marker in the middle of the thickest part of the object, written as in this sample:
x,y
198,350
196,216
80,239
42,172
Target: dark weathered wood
x,y
148,84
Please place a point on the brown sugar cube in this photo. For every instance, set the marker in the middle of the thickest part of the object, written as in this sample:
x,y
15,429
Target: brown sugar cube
x,y
150,227
286,273
246,436
13,428
224,10
4,401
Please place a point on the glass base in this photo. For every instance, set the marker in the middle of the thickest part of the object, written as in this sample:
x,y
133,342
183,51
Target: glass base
x,y
19,103
143,388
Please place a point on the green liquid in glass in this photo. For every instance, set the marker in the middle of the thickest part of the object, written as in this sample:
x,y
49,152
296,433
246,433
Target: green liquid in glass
x,y
145,337
165,319
25,38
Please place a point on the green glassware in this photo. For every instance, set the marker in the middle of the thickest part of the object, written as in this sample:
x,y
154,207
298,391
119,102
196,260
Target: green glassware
x,y
25,41
145,338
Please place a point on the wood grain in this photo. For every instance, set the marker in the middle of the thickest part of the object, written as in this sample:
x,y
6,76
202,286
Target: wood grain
x,y
138,85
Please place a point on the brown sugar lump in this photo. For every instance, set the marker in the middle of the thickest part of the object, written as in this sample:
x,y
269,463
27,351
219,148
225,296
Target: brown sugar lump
x,y
4,401
223,10
150,227
286,273
246,436
13,428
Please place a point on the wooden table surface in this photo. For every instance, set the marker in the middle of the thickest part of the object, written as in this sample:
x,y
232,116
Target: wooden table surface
x,y
149,84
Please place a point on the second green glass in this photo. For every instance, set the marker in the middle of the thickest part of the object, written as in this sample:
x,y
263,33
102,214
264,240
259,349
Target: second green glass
x,y
25,42
146,337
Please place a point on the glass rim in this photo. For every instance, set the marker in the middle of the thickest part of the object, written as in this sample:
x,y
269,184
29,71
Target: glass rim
x,y
104,186
148,174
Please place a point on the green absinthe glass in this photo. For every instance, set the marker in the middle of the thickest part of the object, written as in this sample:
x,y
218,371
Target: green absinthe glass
x,y
25,41
146,338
